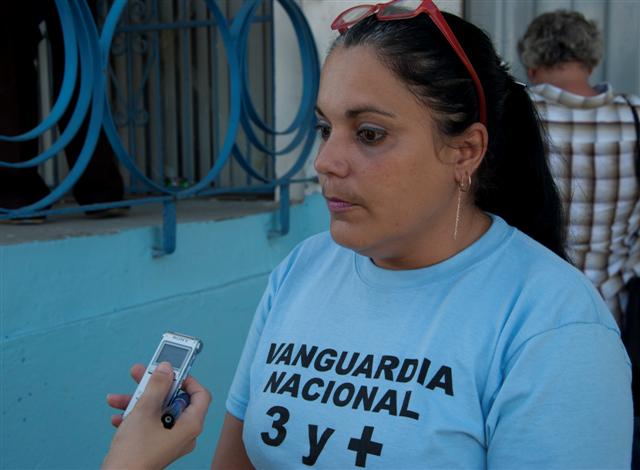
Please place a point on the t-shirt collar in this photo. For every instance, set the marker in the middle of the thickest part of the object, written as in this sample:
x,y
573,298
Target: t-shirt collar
x,y
487,245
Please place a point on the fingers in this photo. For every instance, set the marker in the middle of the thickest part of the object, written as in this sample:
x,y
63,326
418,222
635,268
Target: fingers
x,y
137,372
119,401
116,420
157,387
195,413
200,396
191,385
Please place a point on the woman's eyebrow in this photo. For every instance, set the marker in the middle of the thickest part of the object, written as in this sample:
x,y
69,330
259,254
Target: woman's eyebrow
x,y
355,112
352,113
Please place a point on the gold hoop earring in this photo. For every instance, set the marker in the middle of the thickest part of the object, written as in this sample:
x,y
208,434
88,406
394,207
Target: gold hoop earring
x,y
461,189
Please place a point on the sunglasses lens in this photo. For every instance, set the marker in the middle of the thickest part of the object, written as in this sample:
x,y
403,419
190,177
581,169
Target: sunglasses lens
x,y
355,14
401,7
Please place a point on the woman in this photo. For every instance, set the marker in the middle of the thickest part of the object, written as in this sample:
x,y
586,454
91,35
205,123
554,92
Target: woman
x,y
424,330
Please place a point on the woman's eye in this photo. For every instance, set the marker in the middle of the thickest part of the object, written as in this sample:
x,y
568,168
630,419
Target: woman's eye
x,y
371,136
324,131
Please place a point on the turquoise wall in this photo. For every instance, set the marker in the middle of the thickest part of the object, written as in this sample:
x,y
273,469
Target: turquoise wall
x,y
76,313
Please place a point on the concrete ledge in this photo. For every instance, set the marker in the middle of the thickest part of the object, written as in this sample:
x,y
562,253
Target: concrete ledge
x,y
146,215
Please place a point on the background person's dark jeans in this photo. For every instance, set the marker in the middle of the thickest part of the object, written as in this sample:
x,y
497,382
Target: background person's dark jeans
x,y
19,38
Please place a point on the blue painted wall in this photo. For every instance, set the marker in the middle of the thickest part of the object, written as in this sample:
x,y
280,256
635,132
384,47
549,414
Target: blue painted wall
x,y
76,313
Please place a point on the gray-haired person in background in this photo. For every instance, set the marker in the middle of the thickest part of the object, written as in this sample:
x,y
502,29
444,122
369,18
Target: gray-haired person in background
x,y
593,141
593,157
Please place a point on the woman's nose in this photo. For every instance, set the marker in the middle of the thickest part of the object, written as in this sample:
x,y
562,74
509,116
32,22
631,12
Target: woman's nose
x,y
331,158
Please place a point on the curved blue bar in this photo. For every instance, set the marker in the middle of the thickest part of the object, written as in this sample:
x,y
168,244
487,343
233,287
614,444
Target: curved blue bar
x,y
234,118
240,30
304,120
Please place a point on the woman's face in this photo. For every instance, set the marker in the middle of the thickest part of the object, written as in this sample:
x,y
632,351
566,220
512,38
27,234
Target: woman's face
x,y
389,183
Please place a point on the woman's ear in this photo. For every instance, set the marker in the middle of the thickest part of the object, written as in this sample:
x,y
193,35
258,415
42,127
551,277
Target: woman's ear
x,y
471,147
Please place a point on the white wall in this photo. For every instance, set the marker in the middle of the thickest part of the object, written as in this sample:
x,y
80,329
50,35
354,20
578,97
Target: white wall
x,y
320,14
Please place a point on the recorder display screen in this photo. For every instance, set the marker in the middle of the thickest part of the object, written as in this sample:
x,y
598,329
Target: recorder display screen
x,y
175,355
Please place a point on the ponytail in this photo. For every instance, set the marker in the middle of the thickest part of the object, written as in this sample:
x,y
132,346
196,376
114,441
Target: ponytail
x,y
515,181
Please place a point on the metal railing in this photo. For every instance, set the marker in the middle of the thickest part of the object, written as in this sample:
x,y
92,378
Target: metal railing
x,y
94,66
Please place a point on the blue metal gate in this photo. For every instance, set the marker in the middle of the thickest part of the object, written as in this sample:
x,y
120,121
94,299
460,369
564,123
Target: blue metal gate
x,y
184,95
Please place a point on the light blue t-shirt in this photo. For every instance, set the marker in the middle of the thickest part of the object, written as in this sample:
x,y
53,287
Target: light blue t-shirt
x,y
503,356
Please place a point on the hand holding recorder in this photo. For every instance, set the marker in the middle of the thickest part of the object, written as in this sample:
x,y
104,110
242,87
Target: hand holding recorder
x,y
142,440
180,351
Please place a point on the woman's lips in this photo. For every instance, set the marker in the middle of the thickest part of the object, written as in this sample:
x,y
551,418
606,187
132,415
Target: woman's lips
x,y
338,205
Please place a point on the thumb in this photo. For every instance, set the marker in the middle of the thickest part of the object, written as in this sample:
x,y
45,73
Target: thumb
x,y
158,386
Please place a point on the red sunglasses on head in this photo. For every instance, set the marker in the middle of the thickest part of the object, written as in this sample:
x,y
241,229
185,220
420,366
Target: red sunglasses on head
x,y
405,9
